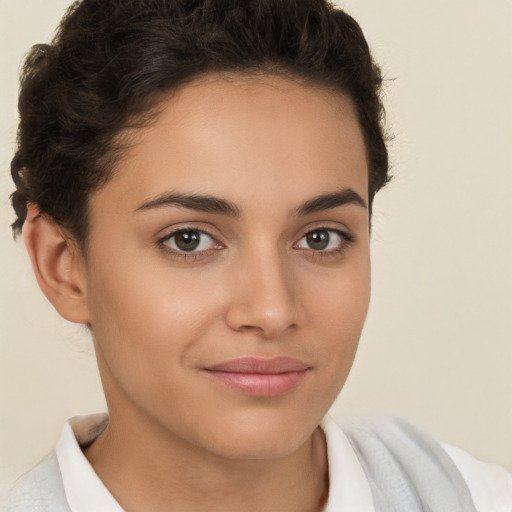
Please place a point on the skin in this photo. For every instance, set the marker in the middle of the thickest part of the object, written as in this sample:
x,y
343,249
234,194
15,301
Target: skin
x,y
178,439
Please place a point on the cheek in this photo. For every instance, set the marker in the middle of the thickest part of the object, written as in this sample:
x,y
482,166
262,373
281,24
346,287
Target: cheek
x,y
343,300
144,314
148,325
339,314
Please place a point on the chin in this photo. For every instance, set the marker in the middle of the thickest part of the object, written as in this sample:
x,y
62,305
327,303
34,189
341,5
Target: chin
x,y
248,448
261,436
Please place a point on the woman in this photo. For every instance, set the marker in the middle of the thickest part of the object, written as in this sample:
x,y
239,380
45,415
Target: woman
x,y
194,184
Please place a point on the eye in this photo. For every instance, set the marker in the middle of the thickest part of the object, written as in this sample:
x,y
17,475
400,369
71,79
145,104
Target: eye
x,y
324,239
189,240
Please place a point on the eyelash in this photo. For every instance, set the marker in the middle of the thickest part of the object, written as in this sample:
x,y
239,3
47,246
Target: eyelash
x,y
346,240
188,256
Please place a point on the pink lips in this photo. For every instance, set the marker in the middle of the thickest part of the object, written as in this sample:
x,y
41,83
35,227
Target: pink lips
x,y
259,376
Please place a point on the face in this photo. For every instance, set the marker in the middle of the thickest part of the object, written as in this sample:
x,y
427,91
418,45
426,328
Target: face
x,y
228,275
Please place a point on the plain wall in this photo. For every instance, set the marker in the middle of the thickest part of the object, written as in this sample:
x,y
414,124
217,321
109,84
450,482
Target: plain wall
x,y
437,347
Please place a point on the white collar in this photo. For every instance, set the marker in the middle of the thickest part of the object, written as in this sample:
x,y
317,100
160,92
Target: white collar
x,y
348,491
84,490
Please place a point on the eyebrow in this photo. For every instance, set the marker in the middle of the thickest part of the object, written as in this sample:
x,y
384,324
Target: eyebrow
x,y
329,201
202,203
212,204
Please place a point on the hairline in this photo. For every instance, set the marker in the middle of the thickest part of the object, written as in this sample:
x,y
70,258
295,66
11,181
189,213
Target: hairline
x,y
129,135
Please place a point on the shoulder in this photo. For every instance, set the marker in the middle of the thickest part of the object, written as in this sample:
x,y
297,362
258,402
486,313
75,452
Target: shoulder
x,y
39,490
395,453
490,484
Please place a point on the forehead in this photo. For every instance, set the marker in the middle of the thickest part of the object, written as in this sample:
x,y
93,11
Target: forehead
x,y
245,137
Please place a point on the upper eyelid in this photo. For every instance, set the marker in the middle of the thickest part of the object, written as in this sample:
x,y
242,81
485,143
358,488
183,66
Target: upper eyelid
x,y
170,232
184,230
345,234
343,231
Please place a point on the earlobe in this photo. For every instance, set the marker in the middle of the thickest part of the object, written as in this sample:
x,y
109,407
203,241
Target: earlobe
x,y
57,264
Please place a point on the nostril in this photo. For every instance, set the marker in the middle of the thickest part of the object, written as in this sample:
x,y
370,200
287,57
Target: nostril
x,y
263,323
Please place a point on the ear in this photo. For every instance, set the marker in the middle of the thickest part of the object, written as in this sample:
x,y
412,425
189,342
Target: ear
x,y
58,265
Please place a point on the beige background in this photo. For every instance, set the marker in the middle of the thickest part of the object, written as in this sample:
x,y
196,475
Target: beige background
x,y
437,348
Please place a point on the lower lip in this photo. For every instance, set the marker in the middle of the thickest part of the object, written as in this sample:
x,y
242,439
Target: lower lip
x,y
260,384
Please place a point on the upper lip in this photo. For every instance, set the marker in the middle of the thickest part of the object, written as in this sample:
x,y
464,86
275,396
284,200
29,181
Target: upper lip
x,y
255,365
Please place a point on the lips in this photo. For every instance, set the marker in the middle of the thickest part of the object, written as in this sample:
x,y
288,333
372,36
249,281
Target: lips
x,y
261,366
259,376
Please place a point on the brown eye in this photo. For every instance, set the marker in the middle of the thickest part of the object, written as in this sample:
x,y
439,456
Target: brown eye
x,y
318,240
189,240
324,240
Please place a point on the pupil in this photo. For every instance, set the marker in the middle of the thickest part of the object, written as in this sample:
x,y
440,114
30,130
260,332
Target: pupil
x,y
318,239
188,240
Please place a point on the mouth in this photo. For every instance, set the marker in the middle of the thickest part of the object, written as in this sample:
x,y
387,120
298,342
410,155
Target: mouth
x,y
260,376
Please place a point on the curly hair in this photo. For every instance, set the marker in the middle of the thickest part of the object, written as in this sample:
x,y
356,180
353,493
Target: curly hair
x,y
111,61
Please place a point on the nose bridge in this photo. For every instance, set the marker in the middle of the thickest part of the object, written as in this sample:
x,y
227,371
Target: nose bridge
x,y
263,293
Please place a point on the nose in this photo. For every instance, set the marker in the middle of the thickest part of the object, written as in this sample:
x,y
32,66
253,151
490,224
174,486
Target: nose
x,y
263,297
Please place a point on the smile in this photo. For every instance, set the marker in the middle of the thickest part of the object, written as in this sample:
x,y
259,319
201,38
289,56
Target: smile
x,y
260,377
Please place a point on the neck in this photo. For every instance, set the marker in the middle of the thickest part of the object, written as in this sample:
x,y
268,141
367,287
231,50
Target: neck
x,y
148,469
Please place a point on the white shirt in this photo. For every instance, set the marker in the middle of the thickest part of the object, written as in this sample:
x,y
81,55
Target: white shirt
x,y
489,484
